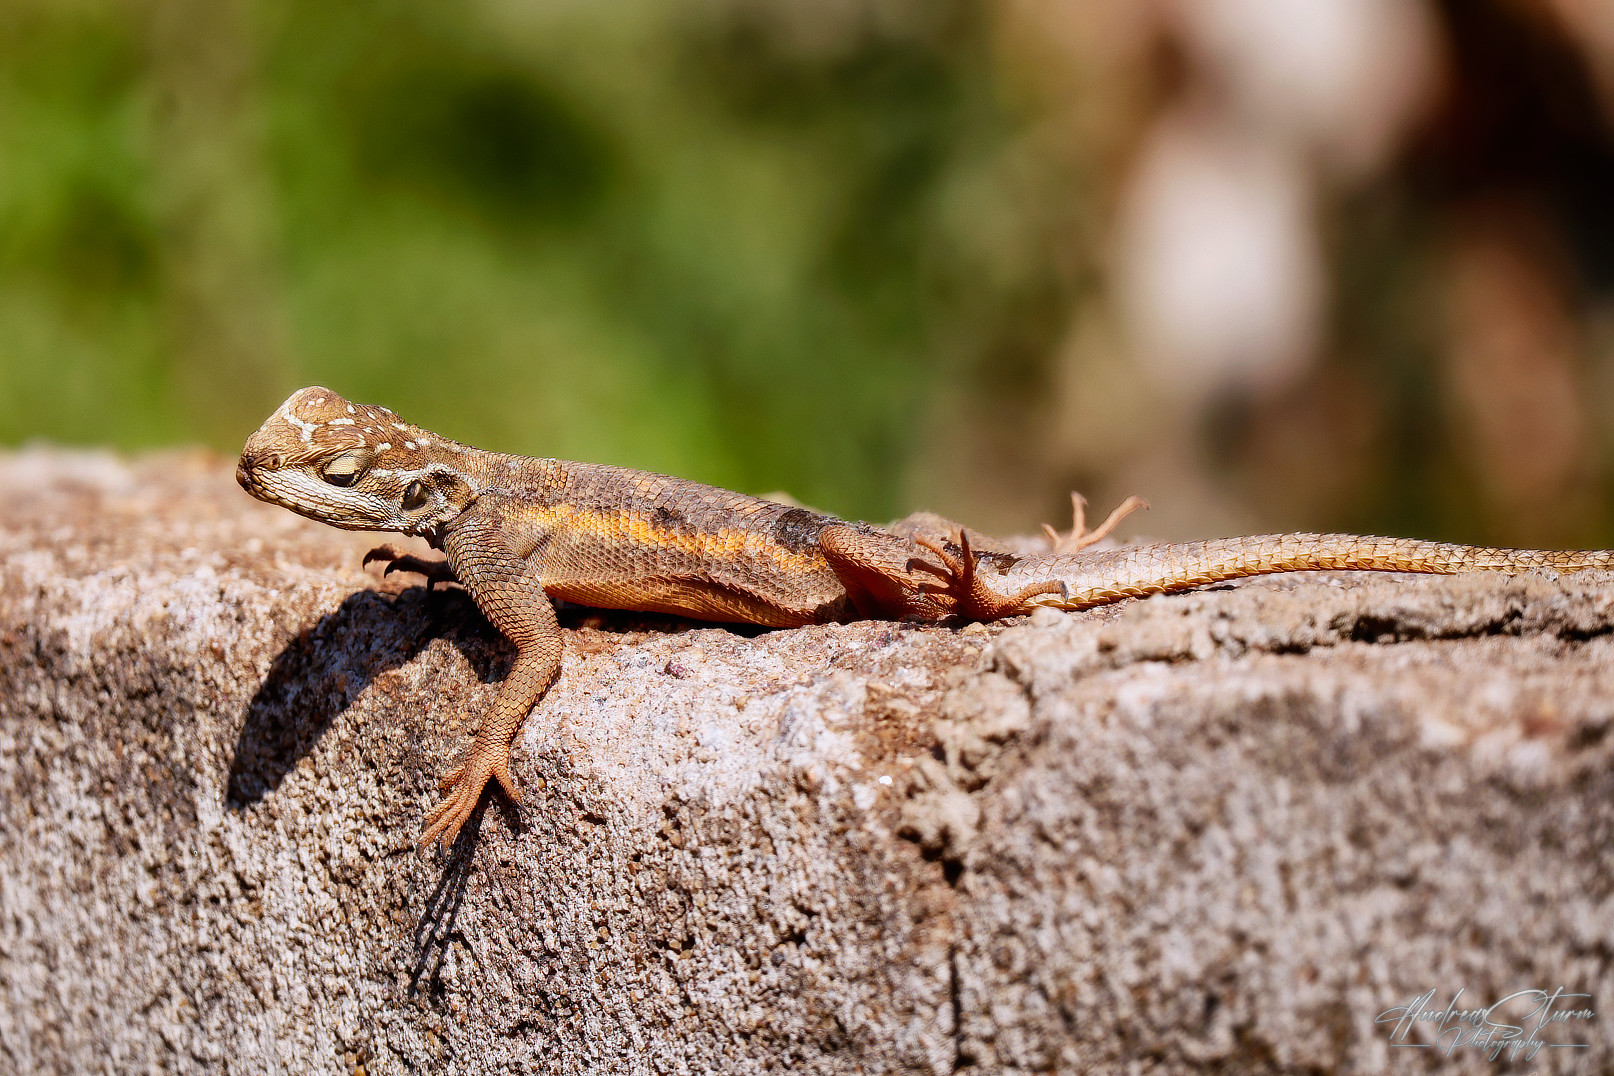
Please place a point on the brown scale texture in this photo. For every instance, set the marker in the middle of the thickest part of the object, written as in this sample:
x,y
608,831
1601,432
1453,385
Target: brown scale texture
x,y
616,538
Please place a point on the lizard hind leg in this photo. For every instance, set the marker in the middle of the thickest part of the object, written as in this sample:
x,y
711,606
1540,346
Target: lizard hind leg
x,y
884,577
875,569
1079,537
970,596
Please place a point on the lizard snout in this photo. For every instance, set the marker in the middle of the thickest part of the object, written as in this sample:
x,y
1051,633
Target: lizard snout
x,y
252,463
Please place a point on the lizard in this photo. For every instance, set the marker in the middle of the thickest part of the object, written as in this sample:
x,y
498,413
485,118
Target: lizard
x,y
518,532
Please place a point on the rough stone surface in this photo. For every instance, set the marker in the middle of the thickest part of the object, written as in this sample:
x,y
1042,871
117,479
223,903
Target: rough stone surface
x,y
1222,831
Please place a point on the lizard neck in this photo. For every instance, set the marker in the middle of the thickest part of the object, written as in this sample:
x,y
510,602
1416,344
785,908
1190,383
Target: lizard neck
x,y
485,472
477,474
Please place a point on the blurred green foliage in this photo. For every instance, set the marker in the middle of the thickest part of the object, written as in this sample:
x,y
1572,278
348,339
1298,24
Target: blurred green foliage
x,y
698,238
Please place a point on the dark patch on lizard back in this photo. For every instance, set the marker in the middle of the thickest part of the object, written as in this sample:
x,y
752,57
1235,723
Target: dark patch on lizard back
x,y
798,529
666,517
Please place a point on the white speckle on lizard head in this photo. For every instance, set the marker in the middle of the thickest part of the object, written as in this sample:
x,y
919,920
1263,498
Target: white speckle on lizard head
x,y
351,410
383,446
340,422
410,445
399,426
305,428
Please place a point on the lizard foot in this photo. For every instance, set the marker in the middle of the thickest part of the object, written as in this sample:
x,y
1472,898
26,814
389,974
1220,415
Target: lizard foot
x,y
971,597
462,788
435,571
1079,537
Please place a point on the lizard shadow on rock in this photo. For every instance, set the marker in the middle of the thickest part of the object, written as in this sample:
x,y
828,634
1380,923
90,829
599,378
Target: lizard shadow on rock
x,y
326,666
329,664
434,930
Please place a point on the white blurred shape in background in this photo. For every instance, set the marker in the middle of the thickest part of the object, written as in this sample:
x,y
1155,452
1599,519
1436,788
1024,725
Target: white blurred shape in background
x,y
1219,271
1341,78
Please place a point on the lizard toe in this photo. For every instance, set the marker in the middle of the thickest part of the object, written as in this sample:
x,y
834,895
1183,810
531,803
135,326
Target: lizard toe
x,y
443,825
502,775
445,822
451,778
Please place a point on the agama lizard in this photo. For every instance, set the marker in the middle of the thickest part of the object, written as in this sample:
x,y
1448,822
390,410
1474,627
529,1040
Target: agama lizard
x,y
519,531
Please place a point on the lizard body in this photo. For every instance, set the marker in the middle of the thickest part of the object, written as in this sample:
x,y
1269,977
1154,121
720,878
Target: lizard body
x,y
519,531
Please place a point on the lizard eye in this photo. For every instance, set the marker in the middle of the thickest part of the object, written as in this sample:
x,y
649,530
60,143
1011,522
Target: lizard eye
x,y
343,470
414,495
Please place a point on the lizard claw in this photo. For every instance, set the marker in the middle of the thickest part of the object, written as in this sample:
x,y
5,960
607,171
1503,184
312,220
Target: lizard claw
x,y
947,571
435,571
381,552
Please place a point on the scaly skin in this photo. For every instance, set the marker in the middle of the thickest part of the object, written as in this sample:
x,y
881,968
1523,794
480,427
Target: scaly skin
x,y
519,531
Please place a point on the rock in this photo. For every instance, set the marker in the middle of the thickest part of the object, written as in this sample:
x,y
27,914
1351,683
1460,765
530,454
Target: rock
x,y
1225,830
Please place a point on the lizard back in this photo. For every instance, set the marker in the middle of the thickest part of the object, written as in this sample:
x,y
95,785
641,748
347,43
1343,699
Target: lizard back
x,y
624,539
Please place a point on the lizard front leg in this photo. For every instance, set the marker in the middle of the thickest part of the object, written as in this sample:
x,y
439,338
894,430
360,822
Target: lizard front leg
x,y
507,590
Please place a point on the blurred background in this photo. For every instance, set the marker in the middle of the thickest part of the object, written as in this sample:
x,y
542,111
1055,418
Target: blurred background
x,y
1273,264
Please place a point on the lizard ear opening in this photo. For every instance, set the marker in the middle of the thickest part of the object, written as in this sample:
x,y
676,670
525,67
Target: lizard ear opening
x,y
453,492
344,470
414,495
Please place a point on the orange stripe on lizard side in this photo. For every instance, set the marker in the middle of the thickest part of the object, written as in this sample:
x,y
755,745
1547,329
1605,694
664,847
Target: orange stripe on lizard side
x,y
622,530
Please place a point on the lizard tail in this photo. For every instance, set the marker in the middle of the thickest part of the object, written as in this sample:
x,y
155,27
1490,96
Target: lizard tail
x,y
1093,578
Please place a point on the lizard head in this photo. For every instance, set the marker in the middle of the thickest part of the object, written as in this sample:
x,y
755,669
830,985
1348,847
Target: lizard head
x,y
354,466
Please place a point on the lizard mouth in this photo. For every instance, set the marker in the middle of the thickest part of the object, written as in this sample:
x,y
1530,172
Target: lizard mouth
x,y
251,470
251,479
